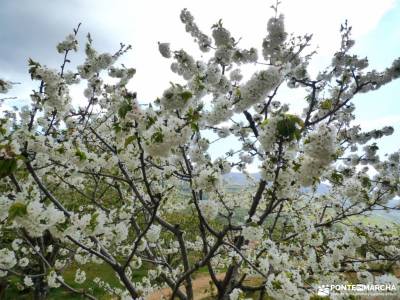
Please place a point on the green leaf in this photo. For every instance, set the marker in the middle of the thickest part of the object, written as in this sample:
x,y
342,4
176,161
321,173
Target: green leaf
x,y
117,127
286,128
18,209
195,126
265,122
295,119
193,116
82,156
33,66
276,284
61,150
337,177
125,107
7,167
366,182
296,166
129,140
150,121
326,104
289,127
186,95
93,221
237,93
157,137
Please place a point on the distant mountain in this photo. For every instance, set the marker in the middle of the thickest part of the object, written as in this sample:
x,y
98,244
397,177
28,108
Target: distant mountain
x,y
240,180
391,215
322,189
236,178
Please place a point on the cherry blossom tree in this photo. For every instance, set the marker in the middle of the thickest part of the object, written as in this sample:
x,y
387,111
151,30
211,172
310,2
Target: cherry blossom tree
x,y
135,186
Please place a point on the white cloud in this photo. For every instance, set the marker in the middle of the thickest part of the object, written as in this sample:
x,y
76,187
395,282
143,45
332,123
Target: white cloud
x,y
370,124
323,18
144,23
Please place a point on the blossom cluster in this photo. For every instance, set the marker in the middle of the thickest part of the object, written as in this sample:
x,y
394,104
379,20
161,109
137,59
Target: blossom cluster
x,y
137,186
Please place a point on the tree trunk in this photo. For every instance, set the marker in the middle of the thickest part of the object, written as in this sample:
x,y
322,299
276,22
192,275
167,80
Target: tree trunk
x,y
41,289
228,286
3,287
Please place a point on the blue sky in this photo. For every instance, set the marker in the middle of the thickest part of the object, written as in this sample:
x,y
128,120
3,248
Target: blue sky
x,y
382,107
33,28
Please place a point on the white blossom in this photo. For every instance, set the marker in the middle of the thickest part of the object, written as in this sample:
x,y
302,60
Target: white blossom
x,y
80,276
28,281
7,259
253,233
53,279
209,209
257,88
153,234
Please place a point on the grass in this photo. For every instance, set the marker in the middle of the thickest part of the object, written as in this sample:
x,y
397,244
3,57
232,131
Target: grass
x,y
373,220
92,270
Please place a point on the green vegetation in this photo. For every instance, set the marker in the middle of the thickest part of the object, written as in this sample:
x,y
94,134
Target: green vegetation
x,y
92,270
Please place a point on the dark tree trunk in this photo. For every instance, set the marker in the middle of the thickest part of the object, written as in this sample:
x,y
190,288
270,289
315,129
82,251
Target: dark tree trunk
x,y
41,289
3,287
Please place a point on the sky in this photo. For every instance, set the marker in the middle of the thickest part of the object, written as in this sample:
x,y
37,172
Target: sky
x,y
33,28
